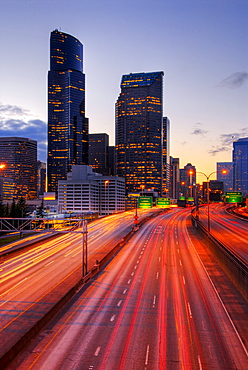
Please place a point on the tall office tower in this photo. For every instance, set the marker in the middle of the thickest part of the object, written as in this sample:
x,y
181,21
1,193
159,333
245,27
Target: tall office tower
x,y
166,156
67,124
174,178
240,161
139,126
226,178
98,153
20,158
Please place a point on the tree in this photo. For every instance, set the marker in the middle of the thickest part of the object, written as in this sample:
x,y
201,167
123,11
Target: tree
x,y
40,211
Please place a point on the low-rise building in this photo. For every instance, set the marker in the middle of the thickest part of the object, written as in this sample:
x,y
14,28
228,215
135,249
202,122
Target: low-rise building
x,y
88,191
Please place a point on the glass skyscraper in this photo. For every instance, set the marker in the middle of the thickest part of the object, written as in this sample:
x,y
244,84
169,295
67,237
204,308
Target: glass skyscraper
x,y
67,124
139,131
19,155
240,162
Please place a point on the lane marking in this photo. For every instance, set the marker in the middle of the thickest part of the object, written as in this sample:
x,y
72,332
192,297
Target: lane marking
x,y
159,259
190,313
129,281
119,303
135,267
180,262
124,291
199,362
147,354
132,273
97,351
154,301
112,318
157,275
49,263
177,250
184,280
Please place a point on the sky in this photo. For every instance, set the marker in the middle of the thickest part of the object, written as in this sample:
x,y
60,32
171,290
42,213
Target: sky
x,y
201,45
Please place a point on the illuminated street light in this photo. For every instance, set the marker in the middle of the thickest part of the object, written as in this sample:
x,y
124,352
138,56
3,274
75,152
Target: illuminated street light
x,y
224,171
142,188
2,165
106,182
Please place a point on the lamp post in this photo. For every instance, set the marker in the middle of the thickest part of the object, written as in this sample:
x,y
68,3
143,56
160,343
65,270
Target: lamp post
x,y
106,182
208,177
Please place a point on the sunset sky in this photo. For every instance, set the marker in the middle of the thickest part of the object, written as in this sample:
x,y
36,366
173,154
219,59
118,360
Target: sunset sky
x,y
200,45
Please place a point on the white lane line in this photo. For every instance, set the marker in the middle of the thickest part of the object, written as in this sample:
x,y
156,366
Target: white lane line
x,y
177,250
49,263
199,362
112,318
159,259
147,354
154,301
129,281
124,291
180,262
97,351
119,303
137,261
139,256
132,273
160,249
190,313
135,267
184,280
157,275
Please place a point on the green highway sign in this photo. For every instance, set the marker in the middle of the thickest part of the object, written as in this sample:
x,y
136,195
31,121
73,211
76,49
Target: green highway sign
x,y
233,196
163,202
144,202
182,197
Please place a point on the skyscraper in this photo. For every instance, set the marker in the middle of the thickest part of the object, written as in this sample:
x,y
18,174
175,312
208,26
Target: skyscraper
x,y
19,155
240,161
226,178
139,127
67,124
98,153
166,156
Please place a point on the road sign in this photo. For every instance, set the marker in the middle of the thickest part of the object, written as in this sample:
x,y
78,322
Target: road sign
x,y
145,202
233,196
163,202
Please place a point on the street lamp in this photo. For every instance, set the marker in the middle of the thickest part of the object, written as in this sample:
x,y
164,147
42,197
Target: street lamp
x,y
142,188
208,177
106,182
2,165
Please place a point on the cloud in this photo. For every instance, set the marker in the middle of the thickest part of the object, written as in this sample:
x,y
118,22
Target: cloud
x,y
199,131
227,140
22,127
235,81
10,110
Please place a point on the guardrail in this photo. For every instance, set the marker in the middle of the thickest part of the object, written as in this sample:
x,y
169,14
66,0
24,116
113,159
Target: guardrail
x,y
235,267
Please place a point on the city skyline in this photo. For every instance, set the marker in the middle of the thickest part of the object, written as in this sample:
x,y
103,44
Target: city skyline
x,y
200,47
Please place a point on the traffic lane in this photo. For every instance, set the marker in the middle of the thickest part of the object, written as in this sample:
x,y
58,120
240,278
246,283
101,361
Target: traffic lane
x,y
92,348
33,302
213,332
230,234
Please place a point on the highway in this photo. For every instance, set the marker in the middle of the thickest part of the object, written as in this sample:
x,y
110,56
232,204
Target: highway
x,y
230,230
34,279
155,306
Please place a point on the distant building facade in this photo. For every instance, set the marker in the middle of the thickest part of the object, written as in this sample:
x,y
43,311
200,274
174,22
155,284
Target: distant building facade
x,y
98,153
20,158
240,161
187,181
174,178
67,124
87,191
41,187
139,131
166,156
226,178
